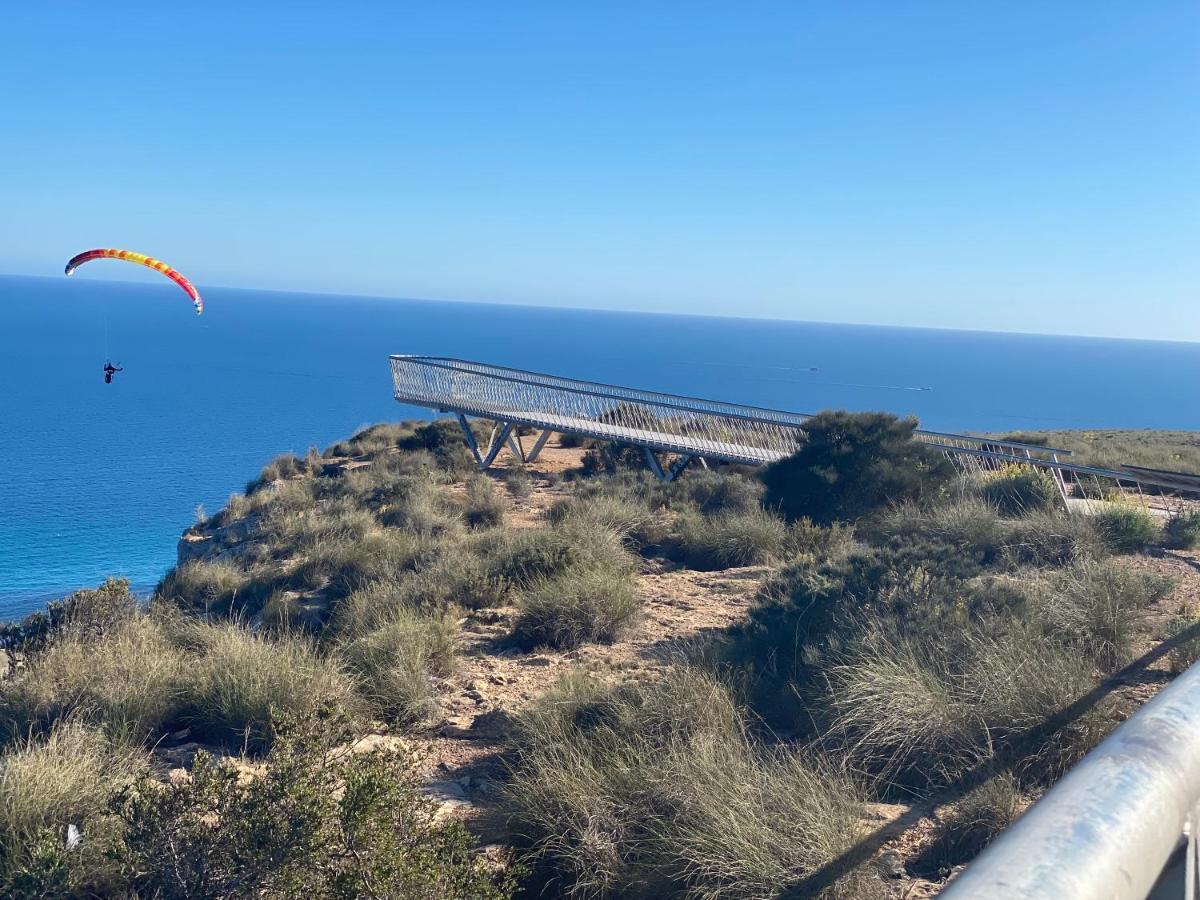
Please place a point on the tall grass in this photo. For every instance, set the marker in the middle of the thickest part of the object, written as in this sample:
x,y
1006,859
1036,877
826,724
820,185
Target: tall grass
x,y
595,603
923,712
130,682
1095,607
393,664
238,679
725,540
1126,529
656,789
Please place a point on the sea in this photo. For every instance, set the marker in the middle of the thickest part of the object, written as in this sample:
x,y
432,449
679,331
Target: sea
x,y
99,480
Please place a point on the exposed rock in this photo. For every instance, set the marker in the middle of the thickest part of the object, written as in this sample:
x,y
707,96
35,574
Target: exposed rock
x,y
182,756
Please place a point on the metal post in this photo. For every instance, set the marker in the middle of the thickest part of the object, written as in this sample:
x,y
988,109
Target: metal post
x,y
1110,826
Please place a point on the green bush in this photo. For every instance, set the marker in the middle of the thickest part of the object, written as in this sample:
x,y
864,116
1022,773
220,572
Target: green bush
x,y
1126,529
596,603
721,541
1182,531
85,613
443,438
1095,607
655,789
317,822
1016,490
852,464
711,492
630,516
611,459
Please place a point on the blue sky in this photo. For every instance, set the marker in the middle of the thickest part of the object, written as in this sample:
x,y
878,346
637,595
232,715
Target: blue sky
x,y
1022,166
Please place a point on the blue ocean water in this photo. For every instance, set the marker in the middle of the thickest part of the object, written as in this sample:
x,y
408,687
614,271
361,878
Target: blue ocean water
x,y
101,479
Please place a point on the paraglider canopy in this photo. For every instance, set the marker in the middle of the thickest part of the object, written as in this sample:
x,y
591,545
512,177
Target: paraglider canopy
x,y
140,258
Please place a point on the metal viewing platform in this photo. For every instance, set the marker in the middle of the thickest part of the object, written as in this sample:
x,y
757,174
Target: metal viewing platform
x,y
690,428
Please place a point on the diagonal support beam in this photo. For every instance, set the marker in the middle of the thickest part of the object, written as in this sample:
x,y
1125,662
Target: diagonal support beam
x,y
665,474
515,445
538,445
470,436
498,443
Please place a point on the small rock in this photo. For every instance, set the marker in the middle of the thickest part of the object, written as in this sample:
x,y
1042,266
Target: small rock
x,y
536,661
891,864
178,736
496,678
182,756
475,695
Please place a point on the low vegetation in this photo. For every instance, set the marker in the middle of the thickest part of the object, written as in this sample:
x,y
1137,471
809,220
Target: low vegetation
x,y
911,630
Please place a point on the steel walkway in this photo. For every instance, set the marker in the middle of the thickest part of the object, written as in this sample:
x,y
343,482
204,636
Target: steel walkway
x,y
691,428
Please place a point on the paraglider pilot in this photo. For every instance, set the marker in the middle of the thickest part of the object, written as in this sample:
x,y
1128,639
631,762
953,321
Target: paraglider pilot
x,y
109,371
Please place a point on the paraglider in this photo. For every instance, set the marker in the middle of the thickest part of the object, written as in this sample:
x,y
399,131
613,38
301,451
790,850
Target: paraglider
x,y
129,256
109,371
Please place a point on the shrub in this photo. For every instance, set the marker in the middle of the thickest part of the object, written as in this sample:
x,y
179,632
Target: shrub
x,y
393,664
1182,531
1019,489
443,439
971,825
655,789
1125,529
727,540
806,539
711,492
964,522
596,603
239,679
1095,606
316,822
86,613
129,681
611,458
483,508
852,464
629,516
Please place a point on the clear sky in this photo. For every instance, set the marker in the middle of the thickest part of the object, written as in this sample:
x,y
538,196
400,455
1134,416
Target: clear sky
x,y
1025,166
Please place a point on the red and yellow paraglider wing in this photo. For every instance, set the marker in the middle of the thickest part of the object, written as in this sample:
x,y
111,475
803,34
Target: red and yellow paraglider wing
x,y
140,258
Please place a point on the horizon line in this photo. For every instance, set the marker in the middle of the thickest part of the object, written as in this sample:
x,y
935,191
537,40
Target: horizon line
x,y
625,311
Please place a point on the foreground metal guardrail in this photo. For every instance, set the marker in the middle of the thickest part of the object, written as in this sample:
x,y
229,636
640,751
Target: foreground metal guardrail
x,y
1121,825
690,427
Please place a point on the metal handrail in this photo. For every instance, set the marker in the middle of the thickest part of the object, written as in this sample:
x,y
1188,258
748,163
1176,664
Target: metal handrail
x,y
1111,826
